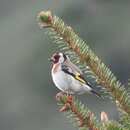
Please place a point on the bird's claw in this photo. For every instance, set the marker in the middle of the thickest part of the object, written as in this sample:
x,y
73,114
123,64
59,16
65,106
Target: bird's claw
x,y
60,94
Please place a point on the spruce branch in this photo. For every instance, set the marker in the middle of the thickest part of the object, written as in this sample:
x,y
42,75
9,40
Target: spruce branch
x,y
114,126
76,110
82,116
67,40
110,125
124,118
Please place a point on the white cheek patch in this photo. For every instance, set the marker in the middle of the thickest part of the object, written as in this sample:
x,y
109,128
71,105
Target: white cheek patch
x,y
61,60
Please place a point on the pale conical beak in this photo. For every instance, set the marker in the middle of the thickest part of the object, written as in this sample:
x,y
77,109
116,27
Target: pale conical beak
x,y
51,59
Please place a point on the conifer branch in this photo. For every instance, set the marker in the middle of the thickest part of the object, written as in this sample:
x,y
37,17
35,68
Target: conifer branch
x,y
114,126
68,40
76,110
85,119
124,117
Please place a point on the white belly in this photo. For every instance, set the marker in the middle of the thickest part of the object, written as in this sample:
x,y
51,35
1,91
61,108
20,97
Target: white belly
x,y
61,81
67,83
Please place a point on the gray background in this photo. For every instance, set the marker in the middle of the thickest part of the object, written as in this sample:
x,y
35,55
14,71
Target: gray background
x,y
27,94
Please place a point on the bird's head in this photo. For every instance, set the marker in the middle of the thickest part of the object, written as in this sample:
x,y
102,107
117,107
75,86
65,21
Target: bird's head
x,y
58,58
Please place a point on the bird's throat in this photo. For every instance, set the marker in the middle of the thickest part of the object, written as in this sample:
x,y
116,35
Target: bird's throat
x,y
56,67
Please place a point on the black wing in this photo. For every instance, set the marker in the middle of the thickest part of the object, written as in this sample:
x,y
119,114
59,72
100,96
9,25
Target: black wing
x,y
78,77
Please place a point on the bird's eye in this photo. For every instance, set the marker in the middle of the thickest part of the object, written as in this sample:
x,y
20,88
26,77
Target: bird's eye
x,y
56,57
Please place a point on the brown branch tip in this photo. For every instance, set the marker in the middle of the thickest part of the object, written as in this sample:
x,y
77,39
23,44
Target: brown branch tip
x,y
45,19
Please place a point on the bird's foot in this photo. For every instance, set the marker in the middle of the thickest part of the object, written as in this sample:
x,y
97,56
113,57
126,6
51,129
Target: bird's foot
x,y
60,94
65,107
70,98
68,102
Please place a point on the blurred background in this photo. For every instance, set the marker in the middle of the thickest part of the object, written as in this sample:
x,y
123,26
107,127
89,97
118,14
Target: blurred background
x,y
27,93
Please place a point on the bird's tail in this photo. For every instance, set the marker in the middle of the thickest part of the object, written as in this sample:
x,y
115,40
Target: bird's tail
x,y
97,94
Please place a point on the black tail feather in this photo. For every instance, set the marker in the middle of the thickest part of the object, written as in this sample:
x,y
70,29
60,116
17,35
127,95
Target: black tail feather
x,y
96,93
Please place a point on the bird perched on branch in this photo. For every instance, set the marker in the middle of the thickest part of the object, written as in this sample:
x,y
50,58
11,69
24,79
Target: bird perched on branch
x,y
68,77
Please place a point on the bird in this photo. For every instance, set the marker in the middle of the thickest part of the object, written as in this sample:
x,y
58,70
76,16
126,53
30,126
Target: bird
x,y
68,78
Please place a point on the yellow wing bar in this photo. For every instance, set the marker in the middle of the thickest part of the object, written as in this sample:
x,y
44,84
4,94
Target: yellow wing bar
x,y
78,77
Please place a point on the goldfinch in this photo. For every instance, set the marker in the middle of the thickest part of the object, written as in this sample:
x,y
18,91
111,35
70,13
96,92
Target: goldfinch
x,y
68,77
